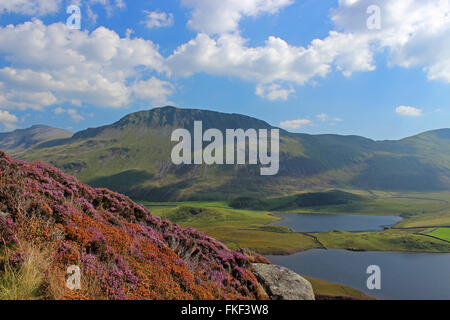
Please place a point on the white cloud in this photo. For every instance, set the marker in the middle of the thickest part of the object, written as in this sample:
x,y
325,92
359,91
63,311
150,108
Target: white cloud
x,y
222,16
8,120
414,33
274,92
322,117
272,66
295,124
53,65
30,7
59,111
154,90
56,65
44,7
156,19
408,111
276,61
73,113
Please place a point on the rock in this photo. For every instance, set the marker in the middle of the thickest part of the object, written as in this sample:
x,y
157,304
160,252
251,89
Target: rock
x,y
281,283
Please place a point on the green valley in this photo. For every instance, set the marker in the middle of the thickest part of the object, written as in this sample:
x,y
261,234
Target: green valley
x,y
252,229
322,174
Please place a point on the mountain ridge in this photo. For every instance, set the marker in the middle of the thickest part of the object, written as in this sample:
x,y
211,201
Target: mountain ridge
x,y
22,139
132,156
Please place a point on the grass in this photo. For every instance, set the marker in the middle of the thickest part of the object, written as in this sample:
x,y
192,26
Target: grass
x,y
25,282
427,220
239,228
389,240
236,228
302,200
328,289
251,228
441,233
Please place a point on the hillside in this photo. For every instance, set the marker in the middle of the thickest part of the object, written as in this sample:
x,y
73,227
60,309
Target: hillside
x,y
22,139
50,221
132,156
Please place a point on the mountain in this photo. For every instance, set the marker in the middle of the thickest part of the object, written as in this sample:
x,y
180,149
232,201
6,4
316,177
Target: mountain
x,y
51,223
132,156
22,139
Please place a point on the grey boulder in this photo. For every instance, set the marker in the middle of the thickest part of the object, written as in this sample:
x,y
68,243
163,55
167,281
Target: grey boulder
x,y
281,283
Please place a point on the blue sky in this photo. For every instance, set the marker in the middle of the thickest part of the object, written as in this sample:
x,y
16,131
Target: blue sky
x,y
309,66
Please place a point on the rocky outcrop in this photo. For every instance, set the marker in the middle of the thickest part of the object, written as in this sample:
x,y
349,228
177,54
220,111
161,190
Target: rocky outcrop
x,y
281,283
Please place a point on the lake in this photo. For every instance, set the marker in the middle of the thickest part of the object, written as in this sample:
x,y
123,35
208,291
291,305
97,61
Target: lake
x,y
329,222
404,276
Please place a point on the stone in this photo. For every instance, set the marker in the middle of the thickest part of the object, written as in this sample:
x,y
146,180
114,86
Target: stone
x,y
281,283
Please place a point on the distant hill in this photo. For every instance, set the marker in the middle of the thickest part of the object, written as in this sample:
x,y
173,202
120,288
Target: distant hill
x,y
312,199
22,139
132,156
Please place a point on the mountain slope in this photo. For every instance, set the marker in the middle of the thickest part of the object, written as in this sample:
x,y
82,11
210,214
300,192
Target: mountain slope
x,y
50,221
22,139
132,156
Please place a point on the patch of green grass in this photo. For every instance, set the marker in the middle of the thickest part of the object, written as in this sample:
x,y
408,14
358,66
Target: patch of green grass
x,y
236,228
427,220
441,233
389,240
328,289
302,200
251,228
239,228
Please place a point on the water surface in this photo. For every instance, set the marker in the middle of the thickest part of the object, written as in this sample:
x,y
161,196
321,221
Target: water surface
x,y
329,222
404,276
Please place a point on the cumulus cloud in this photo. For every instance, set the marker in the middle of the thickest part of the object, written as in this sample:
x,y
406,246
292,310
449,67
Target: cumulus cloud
x,y
415,33
30,7
409,111
270,65
44,7
322,117
73,113
222,16
101,67
274,92
154,90
326,118
53,65
295,124
275,61
8,120
155,19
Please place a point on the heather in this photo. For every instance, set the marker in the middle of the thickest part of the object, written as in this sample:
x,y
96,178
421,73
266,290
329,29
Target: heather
x,y
50,221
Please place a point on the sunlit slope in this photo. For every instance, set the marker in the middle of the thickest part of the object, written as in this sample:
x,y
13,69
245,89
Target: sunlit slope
x,y
133,156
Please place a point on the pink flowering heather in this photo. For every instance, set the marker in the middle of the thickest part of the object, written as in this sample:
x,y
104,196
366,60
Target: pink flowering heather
x,y
123,251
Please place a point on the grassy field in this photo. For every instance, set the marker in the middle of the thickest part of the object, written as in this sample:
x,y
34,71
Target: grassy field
x,y
441,233
385,203
335,290
251,228
239,228
389,240
236,228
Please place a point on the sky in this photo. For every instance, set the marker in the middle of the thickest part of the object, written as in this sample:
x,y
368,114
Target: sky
x,y
374,68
